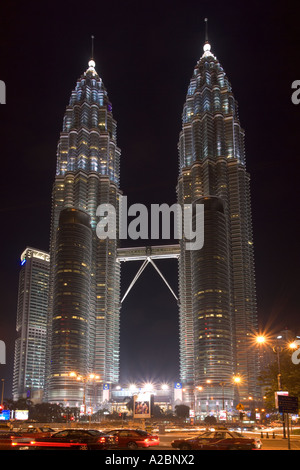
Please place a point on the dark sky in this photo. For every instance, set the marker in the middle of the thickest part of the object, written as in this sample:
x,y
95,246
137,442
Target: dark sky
x,y
145,53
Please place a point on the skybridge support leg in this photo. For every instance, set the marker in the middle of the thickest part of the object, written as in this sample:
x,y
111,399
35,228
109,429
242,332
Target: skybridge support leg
x,y
146,261
162,276
135,278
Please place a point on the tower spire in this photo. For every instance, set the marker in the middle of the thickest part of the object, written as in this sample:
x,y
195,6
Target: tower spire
x,y
92,63
92,56
206,30
206,47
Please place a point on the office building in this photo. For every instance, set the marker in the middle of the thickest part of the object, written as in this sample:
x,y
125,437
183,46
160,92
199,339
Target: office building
x,y
87,175
31,325
217,284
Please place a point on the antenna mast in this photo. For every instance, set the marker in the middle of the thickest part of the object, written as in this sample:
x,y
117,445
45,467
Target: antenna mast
x,y
206,29
92,37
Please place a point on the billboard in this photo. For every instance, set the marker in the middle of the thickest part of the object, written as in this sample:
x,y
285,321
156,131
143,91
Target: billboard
x,y
5,415
142,405
105,392
21,414
178,391
281,393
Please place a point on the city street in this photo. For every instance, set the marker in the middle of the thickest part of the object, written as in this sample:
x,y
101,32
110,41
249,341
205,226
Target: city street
x,y
268,443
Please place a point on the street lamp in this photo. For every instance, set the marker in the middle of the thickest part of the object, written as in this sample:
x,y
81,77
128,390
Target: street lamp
x,y
2,392
237,380
84,379
277,348
148,387
222,384
260,339
198,388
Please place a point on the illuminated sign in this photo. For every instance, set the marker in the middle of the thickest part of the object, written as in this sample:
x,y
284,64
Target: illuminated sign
x,y
105,392
276,396
21,414
178,391
142,405
4,415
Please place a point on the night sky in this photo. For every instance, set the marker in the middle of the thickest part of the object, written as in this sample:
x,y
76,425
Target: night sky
x,y
145,53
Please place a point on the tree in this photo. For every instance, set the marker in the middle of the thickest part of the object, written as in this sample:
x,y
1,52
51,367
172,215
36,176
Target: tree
x,y
182,411
47,412
129,403
43,412
290,378
157,412
210,420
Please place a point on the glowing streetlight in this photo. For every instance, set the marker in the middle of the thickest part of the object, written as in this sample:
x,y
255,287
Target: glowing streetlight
x,y
84,380
237,379
148,387
260,339
132,387
278,347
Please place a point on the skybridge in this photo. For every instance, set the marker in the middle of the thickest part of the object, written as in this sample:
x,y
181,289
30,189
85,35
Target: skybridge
x,y
148,254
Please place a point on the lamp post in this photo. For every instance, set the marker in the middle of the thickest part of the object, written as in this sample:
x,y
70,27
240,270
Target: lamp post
x,y
277,348
84,379
222,384
2,392
197,388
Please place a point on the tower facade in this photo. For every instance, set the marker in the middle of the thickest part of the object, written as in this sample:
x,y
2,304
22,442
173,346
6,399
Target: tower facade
x,y
31,325
87,175
217,284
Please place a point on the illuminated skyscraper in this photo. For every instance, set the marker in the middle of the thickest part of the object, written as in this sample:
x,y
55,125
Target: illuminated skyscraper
x,y
217,283
32,307
84,276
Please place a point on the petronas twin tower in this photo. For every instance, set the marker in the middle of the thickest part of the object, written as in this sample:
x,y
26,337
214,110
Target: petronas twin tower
x,y
217,300
84,274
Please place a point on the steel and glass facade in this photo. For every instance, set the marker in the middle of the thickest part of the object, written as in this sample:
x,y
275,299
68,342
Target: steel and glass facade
x,y
31,325
217,284
87,175
217,299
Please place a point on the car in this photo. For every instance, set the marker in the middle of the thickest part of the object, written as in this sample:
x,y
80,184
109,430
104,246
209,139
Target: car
x,y
75,439
11,440
35,432
134,438
220,439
